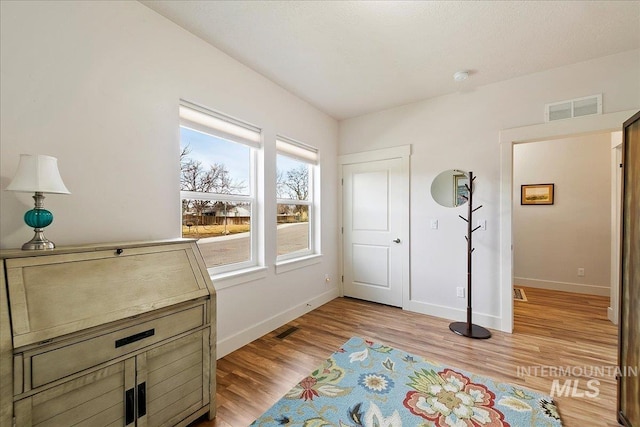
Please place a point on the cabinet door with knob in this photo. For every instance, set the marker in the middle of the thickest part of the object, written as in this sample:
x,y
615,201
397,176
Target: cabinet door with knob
x,y
170,379
96,399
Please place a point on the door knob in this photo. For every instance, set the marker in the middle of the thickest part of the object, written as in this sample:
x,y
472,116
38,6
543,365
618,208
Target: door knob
x,y
396,240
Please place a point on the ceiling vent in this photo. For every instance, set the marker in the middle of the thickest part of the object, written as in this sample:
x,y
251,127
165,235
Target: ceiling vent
x,y
587,106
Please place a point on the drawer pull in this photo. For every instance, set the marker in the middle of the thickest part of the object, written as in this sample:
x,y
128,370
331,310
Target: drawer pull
x,y
135,337
129,404
142,400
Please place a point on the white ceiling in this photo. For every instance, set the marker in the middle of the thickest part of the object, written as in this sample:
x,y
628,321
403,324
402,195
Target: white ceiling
x,y
349,58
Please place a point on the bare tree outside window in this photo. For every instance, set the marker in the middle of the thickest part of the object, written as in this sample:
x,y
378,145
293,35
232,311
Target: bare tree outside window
x,y
210,220
217,183
194,177
292,184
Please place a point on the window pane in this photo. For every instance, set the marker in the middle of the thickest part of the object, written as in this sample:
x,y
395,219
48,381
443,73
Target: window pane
x,y
223,230
293,179
293,228
209,164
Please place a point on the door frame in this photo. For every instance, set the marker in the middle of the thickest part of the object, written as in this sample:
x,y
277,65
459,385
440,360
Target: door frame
x,y
613,312
508,138
403,153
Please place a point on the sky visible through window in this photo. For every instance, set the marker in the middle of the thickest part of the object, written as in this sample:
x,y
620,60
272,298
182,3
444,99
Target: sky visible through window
x,y
210,149
287,163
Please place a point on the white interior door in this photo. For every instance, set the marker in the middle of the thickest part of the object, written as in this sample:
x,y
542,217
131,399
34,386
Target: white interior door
x,y
373,230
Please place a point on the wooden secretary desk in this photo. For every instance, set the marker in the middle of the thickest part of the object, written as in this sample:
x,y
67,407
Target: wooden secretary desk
x,y
107,335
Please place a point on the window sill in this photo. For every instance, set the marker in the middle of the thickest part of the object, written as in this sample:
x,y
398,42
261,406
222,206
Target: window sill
x,y
295,263
233,278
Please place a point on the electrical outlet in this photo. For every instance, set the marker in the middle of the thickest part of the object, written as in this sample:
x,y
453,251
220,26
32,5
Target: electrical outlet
x,y
460,292
581,272
482,223
434,224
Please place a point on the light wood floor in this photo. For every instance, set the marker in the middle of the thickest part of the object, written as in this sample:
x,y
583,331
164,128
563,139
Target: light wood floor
x,y
554,329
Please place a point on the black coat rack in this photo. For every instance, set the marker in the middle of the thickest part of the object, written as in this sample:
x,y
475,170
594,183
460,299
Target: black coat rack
x,y
468,329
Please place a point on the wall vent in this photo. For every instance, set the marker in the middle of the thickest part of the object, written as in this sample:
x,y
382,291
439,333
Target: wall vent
x,y
586,106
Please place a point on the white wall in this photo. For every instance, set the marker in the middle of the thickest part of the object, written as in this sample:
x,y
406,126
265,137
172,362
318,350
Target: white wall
x,y
550,242
461,131
97,85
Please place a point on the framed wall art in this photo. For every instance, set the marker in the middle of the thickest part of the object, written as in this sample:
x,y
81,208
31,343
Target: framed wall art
x,y
536,194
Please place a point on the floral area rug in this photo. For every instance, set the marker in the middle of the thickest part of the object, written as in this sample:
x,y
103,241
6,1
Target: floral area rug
x,y
366,384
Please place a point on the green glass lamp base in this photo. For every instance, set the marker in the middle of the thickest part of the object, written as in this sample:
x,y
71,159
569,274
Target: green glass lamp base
x,y
39,242
38,218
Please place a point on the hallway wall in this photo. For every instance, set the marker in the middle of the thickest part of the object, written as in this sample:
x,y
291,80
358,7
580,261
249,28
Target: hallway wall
x,y
550,242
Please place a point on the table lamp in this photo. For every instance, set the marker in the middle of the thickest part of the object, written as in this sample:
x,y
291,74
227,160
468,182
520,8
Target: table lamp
x,y
38,174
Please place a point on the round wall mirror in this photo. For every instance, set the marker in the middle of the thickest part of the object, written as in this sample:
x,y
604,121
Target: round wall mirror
x,y
449,188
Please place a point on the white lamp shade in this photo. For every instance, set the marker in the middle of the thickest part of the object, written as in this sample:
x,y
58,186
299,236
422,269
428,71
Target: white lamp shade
x,y
38,173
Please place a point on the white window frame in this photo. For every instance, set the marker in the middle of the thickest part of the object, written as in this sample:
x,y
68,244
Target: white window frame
x,y
306,154
216,124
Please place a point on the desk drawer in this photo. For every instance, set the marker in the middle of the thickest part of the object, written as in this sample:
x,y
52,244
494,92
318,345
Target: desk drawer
x,y
55,364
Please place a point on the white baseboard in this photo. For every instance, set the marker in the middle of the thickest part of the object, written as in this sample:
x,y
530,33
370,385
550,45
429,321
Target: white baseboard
x,y
455,314
562,286
254,332
610,316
